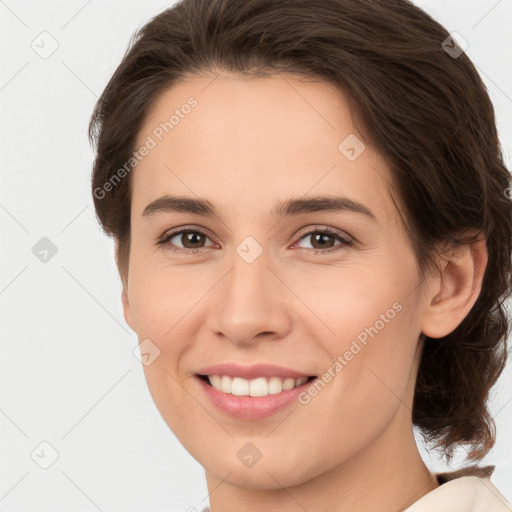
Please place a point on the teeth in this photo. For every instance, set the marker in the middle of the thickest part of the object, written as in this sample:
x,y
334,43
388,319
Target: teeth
x,y
255,387
240,386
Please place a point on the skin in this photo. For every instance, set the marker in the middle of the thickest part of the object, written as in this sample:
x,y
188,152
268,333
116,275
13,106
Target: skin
x,y
248,144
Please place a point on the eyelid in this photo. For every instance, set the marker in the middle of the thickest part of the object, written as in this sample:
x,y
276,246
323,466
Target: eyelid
x,y
318,228
345,239
187,228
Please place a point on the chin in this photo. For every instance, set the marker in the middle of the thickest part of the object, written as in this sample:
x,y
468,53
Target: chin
x,y
273,473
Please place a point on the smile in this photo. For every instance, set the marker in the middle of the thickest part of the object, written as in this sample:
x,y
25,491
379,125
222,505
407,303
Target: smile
x,y
273,394
261,386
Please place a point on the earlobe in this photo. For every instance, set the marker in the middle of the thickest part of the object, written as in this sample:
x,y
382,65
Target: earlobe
x,y
124,296
456,289
126,309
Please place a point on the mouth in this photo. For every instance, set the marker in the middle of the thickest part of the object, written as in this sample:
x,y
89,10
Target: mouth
x,y
264,389
257,387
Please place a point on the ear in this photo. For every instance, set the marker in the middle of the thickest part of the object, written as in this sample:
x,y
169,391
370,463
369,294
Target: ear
x,y
456,289
124,295
126,309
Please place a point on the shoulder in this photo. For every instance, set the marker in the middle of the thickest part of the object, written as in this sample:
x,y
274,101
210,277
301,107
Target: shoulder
x,y
466,490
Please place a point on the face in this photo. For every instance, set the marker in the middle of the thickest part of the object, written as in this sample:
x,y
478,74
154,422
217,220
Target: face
x,y
321,292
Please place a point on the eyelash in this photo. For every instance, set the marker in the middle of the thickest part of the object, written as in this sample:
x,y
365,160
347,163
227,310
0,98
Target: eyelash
x,y
345,241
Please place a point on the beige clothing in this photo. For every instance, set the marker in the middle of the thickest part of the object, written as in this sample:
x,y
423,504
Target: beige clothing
x,y
469,493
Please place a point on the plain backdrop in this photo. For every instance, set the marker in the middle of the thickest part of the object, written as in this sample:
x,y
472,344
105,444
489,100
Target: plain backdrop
x,y
73,395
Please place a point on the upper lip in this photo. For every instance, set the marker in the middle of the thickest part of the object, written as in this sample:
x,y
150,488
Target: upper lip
x,y
251,372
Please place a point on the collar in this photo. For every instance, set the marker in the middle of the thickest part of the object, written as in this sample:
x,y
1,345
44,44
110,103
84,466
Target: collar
x,y
466,490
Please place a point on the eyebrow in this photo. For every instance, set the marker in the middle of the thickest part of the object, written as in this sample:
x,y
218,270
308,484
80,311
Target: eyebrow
x,y
292,206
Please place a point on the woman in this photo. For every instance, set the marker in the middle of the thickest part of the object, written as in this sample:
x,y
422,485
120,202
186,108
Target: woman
x,y
313,232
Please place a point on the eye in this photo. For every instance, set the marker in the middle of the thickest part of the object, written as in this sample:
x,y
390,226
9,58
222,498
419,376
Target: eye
x,y
191,240
321,240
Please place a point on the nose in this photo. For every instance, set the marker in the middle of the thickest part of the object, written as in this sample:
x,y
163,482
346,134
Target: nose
x,y
252,303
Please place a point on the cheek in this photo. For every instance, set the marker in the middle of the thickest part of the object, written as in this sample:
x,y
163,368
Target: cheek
x,y
370,344
375,361
348,304
159,297
369,385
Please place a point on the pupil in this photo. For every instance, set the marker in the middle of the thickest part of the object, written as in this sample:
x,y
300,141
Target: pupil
x,y
320,237
189,237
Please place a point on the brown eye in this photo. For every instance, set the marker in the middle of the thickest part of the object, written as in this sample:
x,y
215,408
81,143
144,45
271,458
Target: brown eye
x,y
323,240
191,240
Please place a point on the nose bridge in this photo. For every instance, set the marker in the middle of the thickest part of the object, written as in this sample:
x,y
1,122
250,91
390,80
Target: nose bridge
x,y
249,270
250,298
248,281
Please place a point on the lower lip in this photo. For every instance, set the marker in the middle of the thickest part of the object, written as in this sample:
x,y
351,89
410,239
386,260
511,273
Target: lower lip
x,y
252,407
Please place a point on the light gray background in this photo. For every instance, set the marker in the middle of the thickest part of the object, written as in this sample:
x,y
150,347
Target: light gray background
x,y
68,374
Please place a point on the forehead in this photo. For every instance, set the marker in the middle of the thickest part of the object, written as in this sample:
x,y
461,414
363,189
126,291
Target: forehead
x,y
256,140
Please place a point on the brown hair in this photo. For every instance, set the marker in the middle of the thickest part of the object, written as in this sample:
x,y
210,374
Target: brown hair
x,y
426,111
